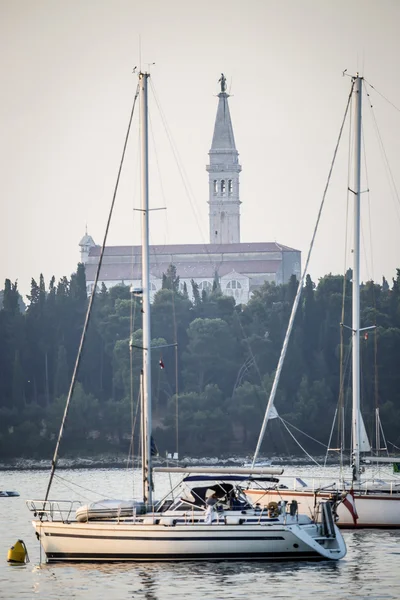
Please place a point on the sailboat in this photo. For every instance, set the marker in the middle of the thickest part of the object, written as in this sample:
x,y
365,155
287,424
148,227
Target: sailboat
x,y
8,494
208,518
366,503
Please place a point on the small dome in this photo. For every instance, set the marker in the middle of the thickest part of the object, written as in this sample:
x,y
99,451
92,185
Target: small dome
x,y
87,240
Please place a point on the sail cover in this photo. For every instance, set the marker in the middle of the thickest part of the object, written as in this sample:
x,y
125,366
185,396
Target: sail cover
x,y
273,413
364,442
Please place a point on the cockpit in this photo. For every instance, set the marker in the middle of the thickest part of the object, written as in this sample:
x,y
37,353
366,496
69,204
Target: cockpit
x,y
229,497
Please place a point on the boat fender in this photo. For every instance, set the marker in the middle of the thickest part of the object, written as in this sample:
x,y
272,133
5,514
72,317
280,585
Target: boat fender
x,y
18,553
273,509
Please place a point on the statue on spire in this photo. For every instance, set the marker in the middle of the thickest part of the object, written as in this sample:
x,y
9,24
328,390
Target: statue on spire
x,y
222,81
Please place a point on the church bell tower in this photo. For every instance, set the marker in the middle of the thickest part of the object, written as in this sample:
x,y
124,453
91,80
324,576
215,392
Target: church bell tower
x,y
223,176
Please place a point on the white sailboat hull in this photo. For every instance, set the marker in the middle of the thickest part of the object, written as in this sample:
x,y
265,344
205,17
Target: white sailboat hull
x,y
8,494
373,509
114,541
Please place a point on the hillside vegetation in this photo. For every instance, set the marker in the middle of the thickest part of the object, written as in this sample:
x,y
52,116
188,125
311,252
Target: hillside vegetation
x,y
226,357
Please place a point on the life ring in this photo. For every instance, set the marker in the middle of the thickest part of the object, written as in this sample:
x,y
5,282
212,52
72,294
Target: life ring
x,y
273,509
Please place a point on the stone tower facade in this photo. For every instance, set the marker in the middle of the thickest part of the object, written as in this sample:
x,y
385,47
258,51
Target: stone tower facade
x,y
241,268
85,244
223,175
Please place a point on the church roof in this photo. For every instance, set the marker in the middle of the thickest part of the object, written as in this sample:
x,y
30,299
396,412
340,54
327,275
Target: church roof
x,y
202,249
223,138
191,260
185,270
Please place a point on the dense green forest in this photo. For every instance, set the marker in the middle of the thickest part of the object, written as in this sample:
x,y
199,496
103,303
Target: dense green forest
x,y
210,391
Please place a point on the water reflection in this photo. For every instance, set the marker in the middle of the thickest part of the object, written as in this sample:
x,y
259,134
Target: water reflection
x,y
148,585
161,581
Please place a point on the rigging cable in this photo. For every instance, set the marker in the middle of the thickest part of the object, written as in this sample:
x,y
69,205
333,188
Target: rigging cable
x,y
298,443
89,309
395,195
131,387
375,358
385,159
132,446
341,421
178,160
382,96
182,172
302,432
299,288
371,257
156,261
132,319
329,442
190,196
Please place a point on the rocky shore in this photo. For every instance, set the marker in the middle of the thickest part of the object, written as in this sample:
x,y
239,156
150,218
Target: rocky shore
x,y
119,461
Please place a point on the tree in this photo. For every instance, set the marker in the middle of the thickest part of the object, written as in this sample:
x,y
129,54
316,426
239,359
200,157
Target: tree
x,y
246,409
394,305
170,280
196,293
83,419
78,286
18,391
226,356
211,355
203,423
216,287
11,297
61,379
310,325
36,332
385,285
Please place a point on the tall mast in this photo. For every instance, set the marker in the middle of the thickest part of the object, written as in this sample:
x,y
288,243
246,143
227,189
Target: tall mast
x,y
146,376
356,278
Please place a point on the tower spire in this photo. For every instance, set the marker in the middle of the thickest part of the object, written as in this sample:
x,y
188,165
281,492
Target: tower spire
x,y
223,175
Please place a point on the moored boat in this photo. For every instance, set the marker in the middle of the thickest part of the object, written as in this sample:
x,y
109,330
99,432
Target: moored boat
x,y
366,502
212,521
8,494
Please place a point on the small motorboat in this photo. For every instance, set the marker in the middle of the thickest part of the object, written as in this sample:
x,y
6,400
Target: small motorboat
x,y
4,493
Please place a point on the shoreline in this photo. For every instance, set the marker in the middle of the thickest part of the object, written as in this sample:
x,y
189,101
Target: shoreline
x,y
118,462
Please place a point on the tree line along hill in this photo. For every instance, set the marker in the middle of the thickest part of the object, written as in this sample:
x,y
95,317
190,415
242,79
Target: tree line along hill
x,y
210,385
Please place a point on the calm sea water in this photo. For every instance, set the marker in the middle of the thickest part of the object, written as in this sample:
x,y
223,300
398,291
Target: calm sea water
x,y
370,570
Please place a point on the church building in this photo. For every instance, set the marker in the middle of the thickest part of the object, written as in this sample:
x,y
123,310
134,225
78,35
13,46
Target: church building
x,y
241,267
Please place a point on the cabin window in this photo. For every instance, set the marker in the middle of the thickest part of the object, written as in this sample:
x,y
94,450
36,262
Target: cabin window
x,y
205,285
230,186
223,187
215,186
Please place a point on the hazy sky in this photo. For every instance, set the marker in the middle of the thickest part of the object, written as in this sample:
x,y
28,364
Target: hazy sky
x,y
67,89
